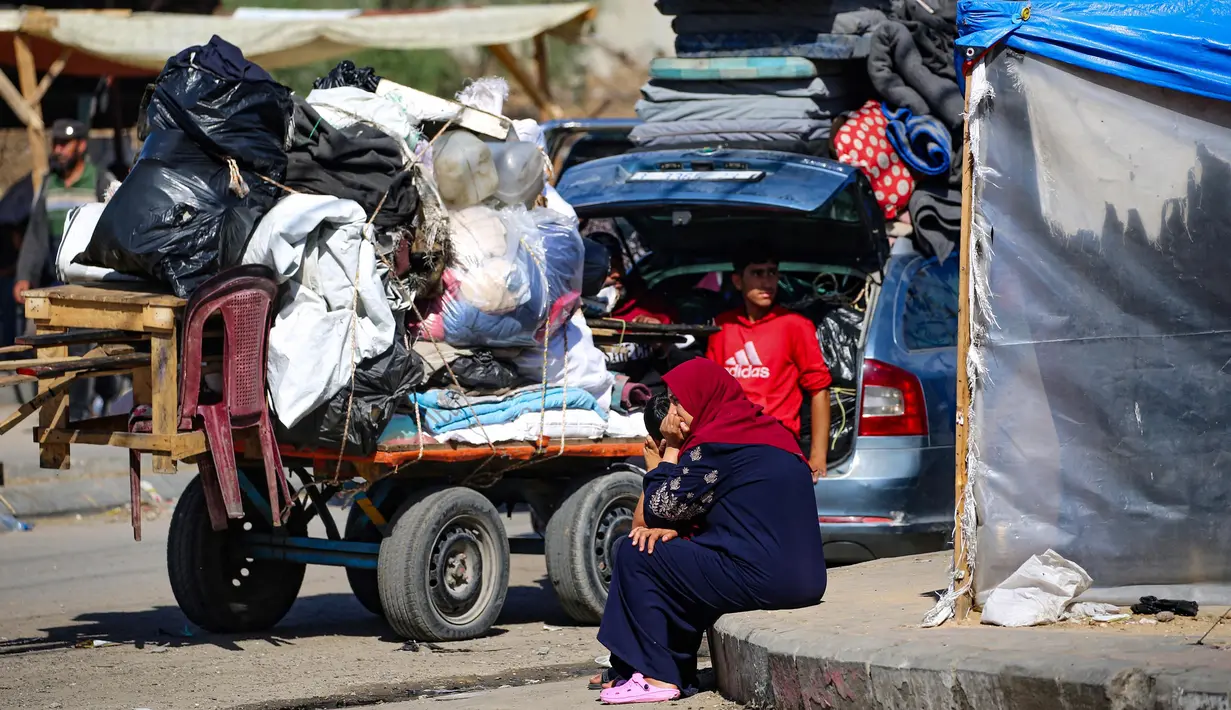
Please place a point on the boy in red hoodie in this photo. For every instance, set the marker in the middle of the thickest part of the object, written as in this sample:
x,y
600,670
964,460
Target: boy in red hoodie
x,y
774,353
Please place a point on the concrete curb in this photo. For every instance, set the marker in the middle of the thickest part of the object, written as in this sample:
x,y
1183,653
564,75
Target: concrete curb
x,y
856,652
763,670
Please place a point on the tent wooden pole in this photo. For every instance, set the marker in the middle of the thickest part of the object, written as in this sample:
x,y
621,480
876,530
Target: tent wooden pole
x,y
540,61
27,77
504,55
12,96
52,72
961,477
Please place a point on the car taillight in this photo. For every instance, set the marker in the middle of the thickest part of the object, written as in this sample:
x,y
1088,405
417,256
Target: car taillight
x,y
892,402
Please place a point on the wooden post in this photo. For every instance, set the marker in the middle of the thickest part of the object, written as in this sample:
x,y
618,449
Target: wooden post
x,y
165,392
965,312
53,414
27,78
540,61
52,72
505,56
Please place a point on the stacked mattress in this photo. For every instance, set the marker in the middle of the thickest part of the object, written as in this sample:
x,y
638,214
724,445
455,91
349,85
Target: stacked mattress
x,y
870,83
771,74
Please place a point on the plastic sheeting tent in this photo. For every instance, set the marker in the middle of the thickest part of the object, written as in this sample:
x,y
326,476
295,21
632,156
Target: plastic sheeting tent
x,y
138,43
1099,294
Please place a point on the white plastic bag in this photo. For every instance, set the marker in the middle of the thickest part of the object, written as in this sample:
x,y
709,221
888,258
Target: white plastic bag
x,y
78,228
584,367
1037,593
348,105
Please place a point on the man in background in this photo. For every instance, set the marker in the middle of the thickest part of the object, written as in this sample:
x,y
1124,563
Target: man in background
x,y
72,182
774,353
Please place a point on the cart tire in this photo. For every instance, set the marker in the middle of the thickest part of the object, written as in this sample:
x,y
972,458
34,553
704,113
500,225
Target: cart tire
x,y
444,570
581,539
220,592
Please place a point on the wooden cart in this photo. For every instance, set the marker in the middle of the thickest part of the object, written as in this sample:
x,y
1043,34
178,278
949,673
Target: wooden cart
x,y
423,545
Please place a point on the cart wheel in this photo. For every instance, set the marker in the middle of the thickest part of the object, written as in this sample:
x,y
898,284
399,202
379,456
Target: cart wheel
x,y
581,540
444,572
216,588
359,528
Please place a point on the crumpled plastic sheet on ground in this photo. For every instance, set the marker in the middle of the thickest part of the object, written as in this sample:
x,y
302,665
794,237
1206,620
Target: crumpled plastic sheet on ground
x,y
1037,593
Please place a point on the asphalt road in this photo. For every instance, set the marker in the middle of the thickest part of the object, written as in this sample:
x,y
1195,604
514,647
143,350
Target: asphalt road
x,y
77,583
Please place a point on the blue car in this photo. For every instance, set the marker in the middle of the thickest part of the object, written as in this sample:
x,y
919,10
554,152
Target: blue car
x,y
889,488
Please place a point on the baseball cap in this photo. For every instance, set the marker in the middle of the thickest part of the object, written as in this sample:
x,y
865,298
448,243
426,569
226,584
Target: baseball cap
x,y
67,129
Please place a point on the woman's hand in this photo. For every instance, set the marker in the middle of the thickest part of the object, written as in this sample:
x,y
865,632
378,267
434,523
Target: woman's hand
x,y
674,430
647,320
653,453
645,538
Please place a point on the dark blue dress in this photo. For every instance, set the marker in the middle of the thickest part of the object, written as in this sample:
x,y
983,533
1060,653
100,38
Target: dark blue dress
x,y
754,544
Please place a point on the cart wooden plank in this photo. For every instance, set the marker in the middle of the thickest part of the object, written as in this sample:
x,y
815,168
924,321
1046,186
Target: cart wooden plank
x,y
402,455
115,307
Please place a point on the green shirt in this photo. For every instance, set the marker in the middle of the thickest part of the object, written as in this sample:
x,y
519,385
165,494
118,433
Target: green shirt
x,y
62,199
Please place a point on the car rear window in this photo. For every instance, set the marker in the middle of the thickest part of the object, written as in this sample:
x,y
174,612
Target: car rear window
x,y
930,319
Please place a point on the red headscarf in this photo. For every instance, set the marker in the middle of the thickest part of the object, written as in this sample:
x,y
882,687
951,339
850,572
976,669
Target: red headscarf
x,y
722,413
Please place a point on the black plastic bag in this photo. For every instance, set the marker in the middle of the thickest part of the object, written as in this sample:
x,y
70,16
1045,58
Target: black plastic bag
x,y
359,163
216,130
480,372
382,383
839,334
175,218
229,106
347,74
841,424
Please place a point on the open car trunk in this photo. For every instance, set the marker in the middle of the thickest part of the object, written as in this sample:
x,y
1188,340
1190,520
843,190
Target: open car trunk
x,y
680,215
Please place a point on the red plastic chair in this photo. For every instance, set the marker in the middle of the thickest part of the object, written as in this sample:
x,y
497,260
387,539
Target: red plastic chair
x,y
244,296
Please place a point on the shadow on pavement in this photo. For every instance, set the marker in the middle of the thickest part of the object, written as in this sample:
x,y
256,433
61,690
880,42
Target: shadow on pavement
x,y
311,616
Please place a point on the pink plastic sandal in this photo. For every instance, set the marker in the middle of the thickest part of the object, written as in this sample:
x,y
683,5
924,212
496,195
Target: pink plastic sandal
x,y
636,690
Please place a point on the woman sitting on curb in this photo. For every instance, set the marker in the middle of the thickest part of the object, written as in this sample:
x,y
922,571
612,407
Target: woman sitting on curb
x,y
737,481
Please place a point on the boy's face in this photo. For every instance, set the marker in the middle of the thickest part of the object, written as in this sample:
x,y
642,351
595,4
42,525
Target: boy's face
x,y
758,283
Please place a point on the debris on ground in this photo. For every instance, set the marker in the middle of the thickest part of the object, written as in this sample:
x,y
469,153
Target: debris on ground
x,y
1038,593
9,523
95,643
1153,605
1094,611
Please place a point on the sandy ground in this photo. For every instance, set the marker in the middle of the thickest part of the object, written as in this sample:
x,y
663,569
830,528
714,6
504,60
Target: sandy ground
x,y
71,583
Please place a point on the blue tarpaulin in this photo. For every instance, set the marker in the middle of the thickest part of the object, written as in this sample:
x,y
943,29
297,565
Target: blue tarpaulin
x,y
1183,44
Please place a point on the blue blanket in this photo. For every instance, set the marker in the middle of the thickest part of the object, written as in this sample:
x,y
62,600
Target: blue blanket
x,y
440,413
922,142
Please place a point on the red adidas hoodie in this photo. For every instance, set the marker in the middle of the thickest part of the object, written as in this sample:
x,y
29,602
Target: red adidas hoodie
x,y
773,359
